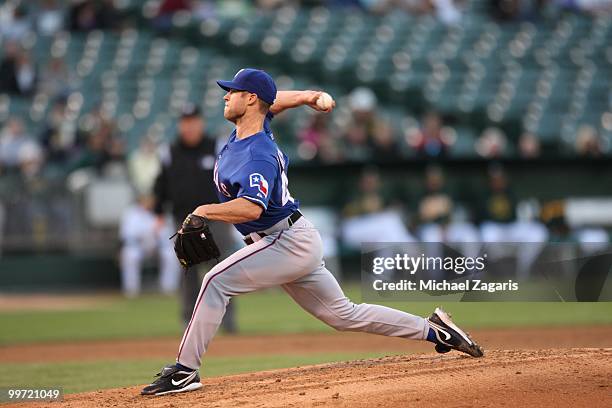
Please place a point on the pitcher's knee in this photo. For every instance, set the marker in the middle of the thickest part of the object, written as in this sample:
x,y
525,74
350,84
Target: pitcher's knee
x,y
214,297
341,325
332,320
215,286
341,316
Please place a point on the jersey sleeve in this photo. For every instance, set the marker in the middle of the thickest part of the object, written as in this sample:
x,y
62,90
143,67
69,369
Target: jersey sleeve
x,y
255,181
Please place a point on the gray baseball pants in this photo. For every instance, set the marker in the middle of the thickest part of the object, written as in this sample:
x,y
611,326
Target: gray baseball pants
x,y
290,257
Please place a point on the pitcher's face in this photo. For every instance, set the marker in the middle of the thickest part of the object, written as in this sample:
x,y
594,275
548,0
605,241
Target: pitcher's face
x,y
236,103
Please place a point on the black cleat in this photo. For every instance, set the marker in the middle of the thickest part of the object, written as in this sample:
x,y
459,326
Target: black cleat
x,y
449,336
172,380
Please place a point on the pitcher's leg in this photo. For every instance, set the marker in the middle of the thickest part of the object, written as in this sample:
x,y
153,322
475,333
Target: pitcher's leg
x,y
320,294
260,265
206,318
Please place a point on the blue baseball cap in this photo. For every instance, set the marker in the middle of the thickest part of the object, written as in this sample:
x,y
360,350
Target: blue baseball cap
x,y
252,80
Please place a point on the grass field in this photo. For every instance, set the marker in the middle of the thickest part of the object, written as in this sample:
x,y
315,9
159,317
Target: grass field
x,y
269,312
263,312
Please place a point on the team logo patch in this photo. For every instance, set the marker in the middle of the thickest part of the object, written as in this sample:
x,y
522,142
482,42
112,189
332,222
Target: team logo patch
x,y
257,180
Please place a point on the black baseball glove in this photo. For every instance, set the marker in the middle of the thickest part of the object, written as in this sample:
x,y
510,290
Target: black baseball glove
x,y
194,242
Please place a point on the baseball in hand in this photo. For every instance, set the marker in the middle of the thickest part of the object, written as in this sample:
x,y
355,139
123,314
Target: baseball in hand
x,y
325,101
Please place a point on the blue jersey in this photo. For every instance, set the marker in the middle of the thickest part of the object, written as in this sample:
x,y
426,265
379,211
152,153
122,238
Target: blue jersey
x,y
255,169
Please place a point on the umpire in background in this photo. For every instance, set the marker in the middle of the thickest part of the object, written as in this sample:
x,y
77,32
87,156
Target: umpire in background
x,y
189,161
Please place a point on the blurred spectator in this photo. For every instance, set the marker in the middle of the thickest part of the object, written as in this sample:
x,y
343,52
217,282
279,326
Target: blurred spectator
x,y
383,143
368,198
531,10
331,151
588,142
59,136
17,71
37,209
505,9
87,15
553,216
144,165
342,3
595,7
234,8
141,238
269,4
103,144
167,9
82,16
591,238
367,214
102,126
446,11
436,210
529,146
317,140
436,204
499,203
499,224
313,135
431,140
50,17
204,9
108,17
14,142
360,128
14,21
371,6
31,161
28,207
491,143
55,78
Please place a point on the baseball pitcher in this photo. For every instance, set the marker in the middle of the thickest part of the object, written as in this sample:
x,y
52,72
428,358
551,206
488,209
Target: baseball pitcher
x,y
283,247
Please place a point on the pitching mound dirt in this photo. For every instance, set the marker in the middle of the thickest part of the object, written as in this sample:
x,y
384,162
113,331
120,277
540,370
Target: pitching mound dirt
x,y
542,378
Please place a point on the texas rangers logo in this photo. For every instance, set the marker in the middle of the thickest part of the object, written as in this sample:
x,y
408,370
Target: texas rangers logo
x,y
257,180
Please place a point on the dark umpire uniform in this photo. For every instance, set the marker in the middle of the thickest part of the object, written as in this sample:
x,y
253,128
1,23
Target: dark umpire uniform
x,y
189,161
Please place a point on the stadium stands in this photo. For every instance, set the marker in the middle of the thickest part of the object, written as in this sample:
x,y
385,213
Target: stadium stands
x,y
546,77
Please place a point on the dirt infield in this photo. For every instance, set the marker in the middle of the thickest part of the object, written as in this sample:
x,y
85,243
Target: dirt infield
x,y
304,343
543,378
37,302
